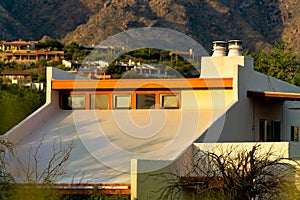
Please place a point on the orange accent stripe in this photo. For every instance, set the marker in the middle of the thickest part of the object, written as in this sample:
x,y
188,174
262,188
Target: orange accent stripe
x,y
199,83
274,95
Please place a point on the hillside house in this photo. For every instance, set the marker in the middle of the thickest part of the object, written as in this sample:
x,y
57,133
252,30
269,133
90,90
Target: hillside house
x,y
17,45
125,128
16,75
25,52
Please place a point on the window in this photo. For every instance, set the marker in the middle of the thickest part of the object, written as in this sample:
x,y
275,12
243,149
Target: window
x,y
169,101
99,101
122,101
75,101
145,101
295,133
269,130
32,58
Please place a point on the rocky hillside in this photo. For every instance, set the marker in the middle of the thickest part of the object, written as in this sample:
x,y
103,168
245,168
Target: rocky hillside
x,y
259,23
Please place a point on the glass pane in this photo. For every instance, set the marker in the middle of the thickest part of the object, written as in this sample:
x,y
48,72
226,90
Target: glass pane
x,y
76,101
169,101
145,101
99,101
276,131
122,101
268,131
261,130
296,133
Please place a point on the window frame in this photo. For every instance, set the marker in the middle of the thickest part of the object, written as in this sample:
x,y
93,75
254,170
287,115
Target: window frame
x,y
269,130
146,93
97,93
169,94
121,94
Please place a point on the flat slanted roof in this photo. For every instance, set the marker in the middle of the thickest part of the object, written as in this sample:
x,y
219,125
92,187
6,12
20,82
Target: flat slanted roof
x,y
278,96
195,83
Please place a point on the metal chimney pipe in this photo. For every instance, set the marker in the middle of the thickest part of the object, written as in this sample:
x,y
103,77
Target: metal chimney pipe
x,y
235,48
219,48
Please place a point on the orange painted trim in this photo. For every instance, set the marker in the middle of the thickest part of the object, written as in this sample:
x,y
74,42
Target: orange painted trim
x,y
133,101
113,84
157,100
274,95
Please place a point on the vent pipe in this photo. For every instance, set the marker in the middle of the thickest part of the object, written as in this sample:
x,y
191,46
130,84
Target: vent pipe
x,y
219,48
234,48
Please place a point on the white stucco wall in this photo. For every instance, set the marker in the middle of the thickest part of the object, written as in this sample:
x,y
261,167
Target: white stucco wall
x,y
151,185
241,121
291,115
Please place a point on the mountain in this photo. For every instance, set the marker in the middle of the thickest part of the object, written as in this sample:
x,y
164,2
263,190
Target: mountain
x,y
258,23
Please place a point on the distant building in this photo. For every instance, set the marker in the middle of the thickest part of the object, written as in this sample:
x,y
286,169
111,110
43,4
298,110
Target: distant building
x,y
16,75
17,45
25,52
21,77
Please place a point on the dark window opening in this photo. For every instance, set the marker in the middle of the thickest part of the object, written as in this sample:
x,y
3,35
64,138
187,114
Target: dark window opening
x,y
145,101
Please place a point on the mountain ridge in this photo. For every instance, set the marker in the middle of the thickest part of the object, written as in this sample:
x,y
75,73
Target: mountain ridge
x,y
258,23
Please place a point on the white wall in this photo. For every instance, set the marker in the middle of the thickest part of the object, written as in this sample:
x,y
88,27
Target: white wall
x,y
241,121
291,115
151,185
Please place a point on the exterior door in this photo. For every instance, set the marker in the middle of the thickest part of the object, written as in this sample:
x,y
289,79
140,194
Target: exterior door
x,y
269,130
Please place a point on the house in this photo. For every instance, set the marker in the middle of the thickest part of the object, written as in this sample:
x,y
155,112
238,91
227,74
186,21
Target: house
x,y
125,129
17,45
16,75
25,52
21,77
31,56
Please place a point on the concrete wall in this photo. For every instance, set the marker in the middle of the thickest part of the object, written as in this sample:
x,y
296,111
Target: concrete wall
x,y
152,184
215,99
291,116
150,178
241,121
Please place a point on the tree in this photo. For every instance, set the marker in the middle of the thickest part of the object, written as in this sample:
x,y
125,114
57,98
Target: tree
x,y
36,181
172,63
235,173
16,103
52,45
6,151
74,51
279,62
